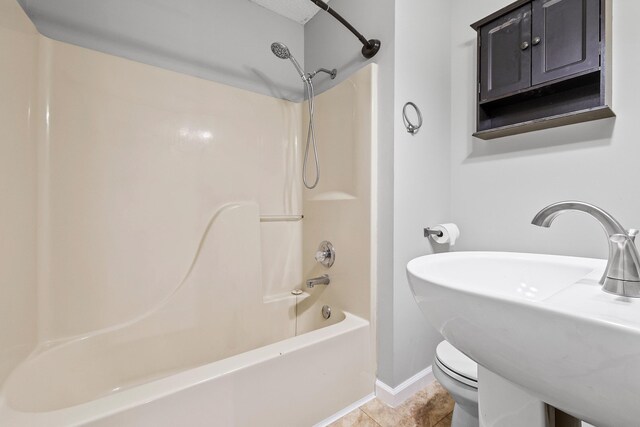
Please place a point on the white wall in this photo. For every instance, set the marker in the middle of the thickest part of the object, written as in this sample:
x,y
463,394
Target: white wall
x,y
227,41
421,171
498,185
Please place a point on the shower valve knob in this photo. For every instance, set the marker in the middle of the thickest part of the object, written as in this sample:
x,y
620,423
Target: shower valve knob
x,y
326,254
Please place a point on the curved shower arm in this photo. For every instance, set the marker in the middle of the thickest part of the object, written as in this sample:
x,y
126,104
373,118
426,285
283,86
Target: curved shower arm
x,y
332,73
369,47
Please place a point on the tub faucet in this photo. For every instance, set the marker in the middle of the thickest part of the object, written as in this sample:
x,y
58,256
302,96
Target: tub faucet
x,y
622,274
322,280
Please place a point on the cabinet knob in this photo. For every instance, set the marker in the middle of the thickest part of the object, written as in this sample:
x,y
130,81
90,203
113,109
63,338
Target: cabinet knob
x,y
536,41
524,45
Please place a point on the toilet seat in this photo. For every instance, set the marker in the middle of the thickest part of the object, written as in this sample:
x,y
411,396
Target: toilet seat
x,y
455,364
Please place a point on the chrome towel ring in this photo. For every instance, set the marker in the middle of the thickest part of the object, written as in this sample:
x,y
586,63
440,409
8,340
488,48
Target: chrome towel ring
x,y
411,128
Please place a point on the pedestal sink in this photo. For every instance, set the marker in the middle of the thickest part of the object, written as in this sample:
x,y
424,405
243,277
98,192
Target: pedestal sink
x,y
541,322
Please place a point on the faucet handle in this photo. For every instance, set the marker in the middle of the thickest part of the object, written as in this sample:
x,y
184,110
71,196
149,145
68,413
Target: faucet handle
x,y
624,263
632,233
321,256
326,254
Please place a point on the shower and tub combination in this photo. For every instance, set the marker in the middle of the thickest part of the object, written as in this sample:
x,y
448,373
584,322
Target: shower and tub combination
x,y
165,276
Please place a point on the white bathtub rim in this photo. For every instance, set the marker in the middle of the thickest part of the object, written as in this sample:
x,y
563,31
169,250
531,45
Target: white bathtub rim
x,y
111,404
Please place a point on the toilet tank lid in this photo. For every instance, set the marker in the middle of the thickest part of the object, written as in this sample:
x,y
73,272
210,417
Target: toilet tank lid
x,y
455,360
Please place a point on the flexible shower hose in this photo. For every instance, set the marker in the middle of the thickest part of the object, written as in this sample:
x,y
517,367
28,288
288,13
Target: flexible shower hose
x,y
311,138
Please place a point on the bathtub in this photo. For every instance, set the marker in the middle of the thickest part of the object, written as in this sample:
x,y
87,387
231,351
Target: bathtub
x,y
296,382
214,352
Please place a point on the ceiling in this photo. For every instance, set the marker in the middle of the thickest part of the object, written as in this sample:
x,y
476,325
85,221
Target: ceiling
x,y
299,11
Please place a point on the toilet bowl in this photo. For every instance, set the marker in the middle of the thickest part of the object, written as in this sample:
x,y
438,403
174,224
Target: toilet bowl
x,y
459,375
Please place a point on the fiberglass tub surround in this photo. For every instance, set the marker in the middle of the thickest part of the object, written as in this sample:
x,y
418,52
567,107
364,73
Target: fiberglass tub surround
x,y
213,314
137,160
18,278
158,217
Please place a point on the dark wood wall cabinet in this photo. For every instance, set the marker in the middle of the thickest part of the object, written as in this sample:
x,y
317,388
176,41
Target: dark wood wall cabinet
x,y
542,64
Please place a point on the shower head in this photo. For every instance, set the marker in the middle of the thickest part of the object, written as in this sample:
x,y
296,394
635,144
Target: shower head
x,y
282,51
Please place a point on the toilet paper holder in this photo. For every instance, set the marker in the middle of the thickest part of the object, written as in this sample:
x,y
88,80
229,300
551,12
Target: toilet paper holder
x,y
429,232
443,233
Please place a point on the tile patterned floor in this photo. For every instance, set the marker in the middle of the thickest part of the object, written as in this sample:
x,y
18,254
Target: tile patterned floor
x,y
430,407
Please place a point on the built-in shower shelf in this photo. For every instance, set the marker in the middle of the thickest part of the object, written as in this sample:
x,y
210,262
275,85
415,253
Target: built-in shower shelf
x,y
283,296
332,195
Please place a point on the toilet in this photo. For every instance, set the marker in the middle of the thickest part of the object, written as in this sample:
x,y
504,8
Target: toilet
x,y
459,375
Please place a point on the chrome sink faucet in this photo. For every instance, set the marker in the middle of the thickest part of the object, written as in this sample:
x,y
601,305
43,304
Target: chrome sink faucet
x,y
622,274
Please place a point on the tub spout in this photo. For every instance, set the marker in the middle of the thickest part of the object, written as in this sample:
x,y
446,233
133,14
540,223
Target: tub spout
x,y
322,280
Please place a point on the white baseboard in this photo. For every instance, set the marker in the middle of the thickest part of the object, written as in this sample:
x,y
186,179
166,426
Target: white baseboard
x,y
395,397
345,411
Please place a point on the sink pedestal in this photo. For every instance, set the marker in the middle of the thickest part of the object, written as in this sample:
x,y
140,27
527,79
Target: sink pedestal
x,y
502,403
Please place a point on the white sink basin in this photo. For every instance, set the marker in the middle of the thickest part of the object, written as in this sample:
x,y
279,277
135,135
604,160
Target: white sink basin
x,y
542,322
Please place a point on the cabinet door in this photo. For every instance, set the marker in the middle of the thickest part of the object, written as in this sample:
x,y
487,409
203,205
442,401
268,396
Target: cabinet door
x,y
569,34
505,54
